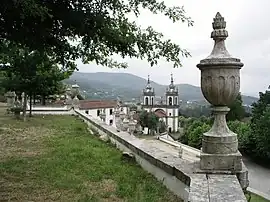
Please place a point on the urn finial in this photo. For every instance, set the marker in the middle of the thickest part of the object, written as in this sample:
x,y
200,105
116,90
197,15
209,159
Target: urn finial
x,y
219,25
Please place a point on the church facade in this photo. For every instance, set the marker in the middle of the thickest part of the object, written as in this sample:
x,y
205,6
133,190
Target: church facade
x,y
168,111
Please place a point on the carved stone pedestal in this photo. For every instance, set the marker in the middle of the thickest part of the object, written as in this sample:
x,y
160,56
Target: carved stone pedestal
x,y
221,161
220,145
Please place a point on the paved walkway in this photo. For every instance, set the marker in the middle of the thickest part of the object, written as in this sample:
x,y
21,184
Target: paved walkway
x,y
259,177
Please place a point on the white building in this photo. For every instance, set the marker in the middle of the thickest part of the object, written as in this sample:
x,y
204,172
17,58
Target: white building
x,y
167,111
97,108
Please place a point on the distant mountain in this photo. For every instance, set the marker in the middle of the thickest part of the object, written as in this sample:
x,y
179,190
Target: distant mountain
x,y
103,85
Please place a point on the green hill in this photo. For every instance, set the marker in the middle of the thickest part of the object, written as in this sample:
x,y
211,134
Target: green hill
x,y
103,85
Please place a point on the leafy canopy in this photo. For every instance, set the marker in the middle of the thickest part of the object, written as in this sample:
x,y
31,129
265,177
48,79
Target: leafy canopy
x,y
91,30
237,110
148,119
260,139
32,72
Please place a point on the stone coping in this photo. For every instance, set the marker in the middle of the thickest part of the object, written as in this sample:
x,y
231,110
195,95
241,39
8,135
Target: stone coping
x,y
161,106
52,109
192,150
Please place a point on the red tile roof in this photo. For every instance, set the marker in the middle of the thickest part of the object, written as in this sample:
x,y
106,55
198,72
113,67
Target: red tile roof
x,y
96,104
160,113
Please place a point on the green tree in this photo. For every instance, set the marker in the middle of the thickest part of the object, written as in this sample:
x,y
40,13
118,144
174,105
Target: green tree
x,y
143,118
48,80
243,134
149,120
152,121
194,133
91,30
162,126
31,72
237,111
2,89
261,131
259,138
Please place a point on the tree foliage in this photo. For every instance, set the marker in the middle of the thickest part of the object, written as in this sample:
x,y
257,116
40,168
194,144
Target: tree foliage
x,y
237,110
253,136
91,30
162,126
260,139
149,120
30,71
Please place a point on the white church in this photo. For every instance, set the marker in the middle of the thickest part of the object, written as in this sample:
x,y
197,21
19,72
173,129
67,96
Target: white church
x,y
167,111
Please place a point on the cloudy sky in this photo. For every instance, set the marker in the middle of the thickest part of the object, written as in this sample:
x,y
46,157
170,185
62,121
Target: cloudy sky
x,y
249,40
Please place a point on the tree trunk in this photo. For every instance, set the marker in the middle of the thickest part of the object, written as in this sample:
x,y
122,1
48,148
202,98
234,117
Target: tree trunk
x,y
30,109
43,100
34,98
24,106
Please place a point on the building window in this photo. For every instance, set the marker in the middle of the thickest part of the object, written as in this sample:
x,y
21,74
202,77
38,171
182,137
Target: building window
x,y
146,101
170,129
170,114
111,122
170,100
87,112
98,112
175,100
152,101
111,111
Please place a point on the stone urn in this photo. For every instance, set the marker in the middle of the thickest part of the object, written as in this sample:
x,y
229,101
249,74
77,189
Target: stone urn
x,y
10,100
220,85
122,115
132,126
75,92
17,108
125,124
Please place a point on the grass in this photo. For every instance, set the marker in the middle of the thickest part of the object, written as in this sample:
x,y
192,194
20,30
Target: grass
x,y
255,198
55,158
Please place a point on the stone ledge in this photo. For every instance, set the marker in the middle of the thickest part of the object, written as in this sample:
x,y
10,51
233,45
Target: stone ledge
x,y
224,188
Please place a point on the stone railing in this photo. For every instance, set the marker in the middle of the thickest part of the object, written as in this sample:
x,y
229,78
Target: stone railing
x,y
177,174
52,110
190,151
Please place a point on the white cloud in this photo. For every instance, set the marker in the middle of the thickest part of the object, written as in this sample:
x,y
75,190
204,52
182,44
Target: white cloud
x,y
249,40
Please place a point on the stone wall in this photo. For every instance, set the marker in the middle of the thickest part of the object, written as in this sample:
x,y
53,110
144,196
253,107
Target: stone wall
x,y
52,110
176,174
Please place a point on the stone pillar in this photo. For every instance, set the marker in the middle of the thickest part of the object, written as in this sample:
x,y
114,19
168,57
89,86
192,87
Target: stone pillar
x,y
125,124
132,126
117,118
220,84
132,123
122,117
10,99
75,92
